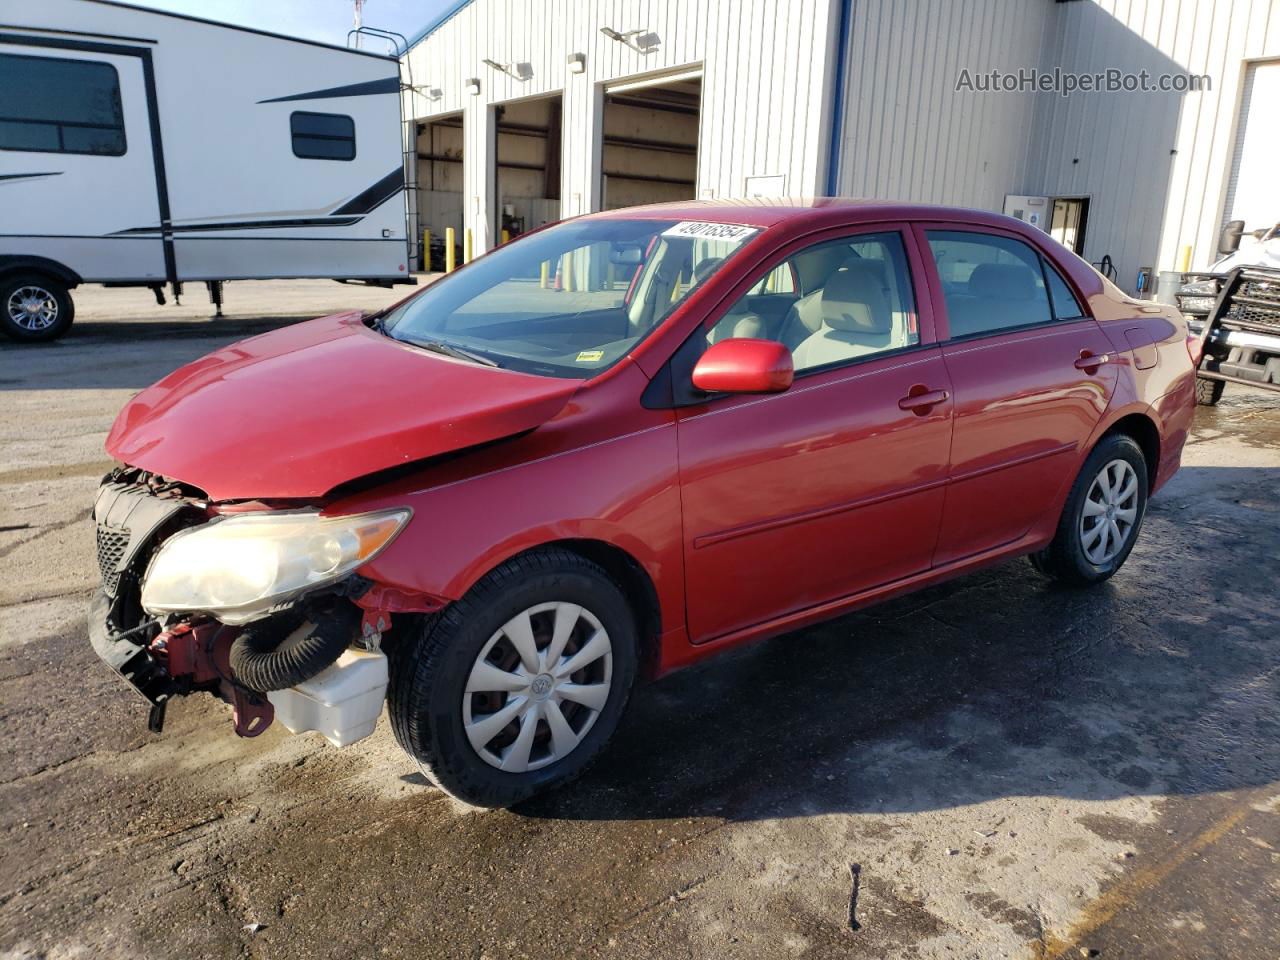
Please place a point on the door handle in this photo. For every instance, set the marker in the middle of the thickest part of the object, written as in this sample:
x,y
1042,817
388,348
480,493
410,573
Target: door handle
x,y
1089,363
921,399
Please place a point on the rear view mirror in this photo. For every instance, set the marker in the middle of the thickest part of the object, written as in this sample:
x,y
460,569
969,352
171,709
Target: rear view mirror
x,y
744,365
629,256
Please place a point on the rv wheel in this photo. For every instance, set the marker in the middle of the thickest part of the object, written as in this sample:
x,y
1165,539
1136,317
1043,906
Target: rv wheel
x,y
34,307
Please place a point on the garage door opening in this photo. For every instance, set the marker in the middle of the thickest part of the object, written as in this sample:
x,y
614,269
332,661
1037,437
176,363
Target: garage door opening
x,y
1253,190
440,141
527,138
649,152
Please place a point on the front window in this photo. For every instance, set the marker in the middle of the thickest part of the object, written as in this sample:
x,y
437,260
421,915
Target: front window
x,y
571,300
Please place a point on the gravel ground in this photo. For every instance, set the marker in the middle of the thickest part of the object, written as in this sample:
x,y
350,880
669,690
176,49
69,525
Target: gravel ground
x,y
1007,768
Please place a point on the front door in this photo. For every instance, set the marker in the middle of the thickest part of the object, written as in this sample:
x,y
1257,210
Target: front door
x,y
1017,346
836,485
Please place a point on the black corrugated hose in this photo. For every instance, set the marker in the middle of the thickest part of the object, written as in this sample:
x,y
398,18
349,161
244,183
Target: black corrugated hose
x,y
258,663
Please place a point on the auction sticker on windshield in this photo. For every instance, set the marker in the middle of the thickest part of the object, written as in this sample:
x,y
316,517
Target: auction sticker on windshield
x,y
701,230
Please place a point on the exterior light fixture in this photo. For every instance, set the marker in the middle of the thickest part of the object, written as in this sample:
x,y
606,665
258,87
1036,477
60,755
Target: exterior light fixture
x,y
473,86
641,41
577,62
517,71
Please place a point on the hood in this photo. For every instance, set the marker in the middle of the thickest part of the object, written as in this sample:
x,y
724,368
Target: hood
x,y
1252,253
295,412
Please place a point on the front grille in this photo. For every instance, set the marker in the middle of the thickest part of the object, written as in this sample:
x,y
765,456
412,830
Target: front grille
x,y
112,544
1254,316
1262,290
1253,302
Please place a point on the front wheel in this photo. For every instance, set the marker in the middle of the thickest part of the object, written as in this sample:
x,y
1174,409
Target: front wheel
x,y
1102,515
34,308
517,687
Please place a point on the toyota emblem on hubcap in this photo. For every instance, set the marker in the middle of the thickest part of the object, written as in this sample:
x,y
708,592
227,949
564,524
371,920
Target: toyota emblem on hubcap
x,y
541,686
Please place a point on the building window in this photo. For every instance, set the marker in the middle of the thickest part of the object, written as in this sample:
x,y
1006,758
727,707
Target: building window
x,y
53,105
323,136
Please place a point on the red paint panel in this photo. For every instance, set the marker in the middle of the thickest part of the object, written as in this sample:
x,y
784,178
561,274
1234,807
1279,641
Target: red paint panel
x,y
797,498
295,412
1023,414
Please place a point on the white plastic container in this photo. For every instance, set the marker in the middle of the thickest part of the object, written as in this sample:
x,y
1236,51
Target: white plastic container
x,y
342,702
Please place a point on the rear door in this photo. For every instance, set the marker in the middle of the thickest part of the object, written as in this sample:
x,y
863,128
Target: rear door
x,y
1018,346
77,168
796,499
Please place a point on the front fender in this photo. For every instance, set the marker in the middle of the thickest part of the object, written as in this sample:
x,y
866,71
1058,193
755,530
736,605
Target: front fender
x,y
622,491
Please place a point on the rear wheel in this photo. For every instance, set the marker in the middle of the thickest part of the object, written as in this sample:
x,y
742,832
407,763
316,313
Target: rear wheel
x,y
34,308
1102,516
518,686
1209,392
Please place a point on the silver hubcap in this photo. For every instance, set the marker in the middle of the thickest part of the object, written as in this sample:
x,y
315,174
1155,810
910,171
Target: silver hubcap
x,y
1110,512
33,308
537,687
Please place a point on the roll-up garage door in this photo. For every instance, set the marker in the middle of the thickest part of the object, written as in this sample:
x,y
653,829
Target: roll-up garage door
x,y
1253,192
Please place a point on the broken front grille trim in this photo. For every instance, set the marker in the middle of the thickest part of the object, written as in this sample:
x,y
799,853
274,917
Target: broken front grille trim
x,y
113,543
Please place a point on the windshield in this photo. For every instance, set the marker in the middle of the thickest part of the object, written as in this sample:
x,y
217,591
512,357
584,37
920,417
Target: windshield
x,y
570,300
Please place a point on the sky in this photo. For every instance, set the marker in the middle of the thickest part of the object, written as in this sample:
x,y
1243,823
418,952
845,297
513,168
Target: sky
x,y
326,20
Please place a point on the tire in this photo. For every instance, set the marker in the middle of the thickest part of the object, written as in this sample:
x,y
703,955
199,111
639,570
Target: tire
x,y
1076,555
1209,392
34,308
431,671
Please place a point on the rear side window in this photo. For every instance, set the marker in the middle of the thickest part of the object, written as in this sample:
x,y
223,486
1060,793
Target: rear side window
x,y
52,105
990,283
323,136
1065,304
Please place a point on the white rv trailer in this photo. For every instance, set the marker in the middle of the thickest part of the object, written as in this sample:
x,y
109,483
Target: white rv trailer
x,y
144,148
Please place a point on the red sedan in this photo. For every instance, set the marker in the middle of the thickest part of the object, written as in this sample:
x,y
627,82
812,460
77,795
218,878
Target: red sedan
x,y
614,447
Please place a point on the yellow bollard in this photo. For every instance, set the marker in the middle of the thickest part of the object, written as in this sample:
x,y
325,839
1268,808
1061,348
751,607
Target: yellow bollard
x,y
506,236
426,251
546,273
466,249
1184,262
568,272
450,257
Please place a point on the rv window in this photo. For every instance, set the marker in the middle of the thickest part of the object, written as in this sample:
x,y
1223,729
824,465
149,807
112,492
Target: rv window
x,y
323,136
52,105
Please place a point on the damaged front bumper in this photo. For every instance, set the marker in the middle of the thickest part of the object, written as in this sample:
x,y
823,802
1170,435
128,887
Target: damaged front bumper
x,y
175,655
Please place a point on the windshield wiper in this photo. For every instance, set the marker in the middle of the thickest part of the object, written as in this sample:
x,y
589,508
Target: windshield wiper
x,y
449,350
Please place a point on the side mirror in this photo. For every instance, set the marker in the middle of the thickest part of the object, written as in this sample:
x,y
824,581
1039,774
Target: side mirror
x,y
744,365
1229,239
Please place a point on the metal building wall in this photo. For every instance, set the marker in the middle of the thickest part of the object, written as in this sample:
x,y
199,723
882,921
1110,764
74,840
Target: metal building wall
x,y
766,96
908,133
765,89
1155,164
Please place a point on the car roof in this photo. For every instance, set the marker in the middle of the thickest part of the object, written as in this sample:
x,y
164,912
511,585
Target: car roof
x,y
816,211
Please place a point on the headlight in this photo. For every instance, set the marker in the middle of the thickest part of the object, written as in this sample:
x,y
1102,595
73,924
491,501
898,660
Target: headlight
x,y
1195,304
1204,288
239,568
